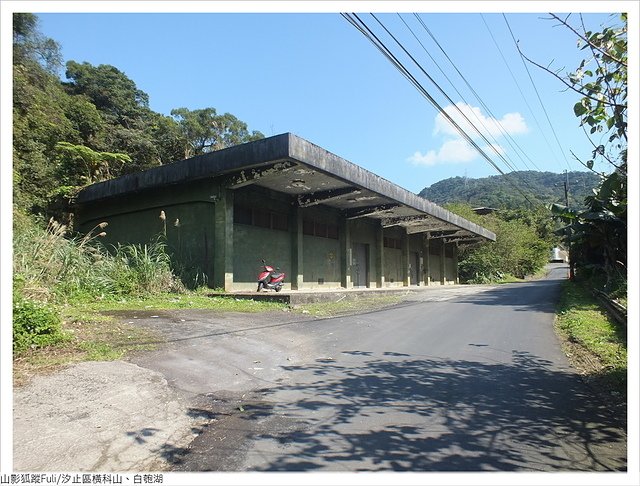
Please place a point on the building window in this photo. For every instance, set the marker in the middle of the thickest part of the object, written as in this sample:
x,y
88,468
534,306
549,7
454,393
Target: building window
x,y
260,218
279,222
242,215
323,230
392,243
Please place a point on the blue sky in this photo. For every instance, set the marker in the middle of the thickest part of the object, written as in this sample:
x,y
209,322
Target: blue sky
x,y
315,75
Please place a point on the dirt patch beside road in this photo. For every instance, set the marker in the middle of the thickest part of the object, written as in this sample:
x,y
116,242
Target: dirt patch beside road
x,y
142,414
99,416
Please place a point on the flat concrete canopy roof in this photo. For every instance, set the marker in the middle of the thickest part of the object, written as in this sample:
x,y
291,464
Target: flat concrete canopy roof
x,y
289,164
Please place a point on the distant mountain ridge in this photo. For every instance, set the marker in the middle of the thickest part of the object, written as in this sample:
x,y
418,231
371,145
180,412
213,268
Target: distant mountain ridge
x,y
499,192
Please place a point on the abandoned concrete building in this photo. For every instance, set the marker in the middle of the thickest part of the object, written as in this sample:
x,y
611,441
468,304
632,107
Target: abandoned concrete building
x,y
326,222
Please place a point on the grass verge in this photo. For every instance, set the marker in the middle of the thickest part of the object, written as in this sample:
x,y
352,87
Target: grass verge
x,y
345,307
594,343
92,335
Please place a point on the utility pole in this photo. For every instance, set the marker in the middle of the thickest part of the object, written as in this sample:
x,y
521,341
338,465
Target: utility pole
x,y
566,200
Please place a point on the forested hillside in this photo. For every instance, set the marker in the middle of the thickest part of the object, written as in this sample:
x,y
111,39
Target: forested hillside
x,y
94,126
502,191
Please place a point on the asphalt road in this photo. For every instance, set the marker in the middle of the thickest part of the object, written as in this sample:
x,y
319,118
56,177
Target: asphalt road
x,y
457,379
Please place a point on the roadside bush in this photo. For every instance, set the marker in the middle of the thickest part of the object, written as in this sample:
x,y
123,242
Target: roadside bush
x,y
35,324
144,269
518,250
52,266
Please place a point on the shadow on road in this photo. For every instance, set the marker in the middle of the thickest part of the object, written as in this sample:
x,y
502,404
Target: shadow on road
x,y
540,296
458,416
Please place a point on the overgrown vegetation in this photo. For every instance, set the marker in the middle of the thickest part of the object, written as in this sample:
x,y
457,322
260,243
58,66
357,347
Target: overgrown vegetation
x,y
52,266
499,191
94,126
595,344
523,241
52,269
597,235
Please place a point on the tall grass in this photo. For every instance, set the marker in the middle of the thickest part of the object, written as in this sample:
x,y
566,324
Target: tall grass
x,y
52,266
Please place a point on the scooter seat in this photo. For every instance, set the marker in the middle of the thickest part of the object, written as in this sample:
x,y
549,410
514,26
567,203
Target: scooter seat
x,y
276,275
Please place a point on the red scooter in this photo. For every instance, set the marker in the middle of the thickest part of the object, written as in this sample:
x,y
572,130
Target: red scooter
x,y
270,278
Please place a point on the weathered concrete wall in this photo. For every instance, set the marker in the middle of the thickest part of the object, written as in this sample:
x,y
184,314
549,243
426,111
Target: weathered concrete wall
x,y
321,257
394,258
188,224
321,267
364,238
251,245
393,267
451,264
434,262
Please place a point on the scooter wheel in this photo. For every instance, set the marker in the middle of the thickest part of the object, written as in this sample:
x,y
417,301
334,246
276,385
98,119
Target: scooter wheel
x,y
260,284
278,289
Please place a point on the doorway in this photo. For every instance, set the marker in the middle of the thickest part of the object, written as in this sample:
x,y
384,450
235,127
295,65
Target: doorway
x,y
360,268
414,269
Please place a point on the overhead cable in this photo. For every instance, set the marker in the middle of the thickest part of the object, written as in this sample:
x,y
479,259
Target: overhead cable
x,y
516,147
555,135
357,22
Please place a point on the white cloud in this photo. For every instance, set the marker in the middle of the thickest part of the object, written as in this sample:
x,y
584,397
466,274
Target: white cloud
x,y
511,123
454,149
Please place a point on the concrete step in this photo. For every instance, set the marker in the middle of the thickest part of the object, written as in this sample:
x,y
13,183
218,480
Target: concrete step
x,y
294,297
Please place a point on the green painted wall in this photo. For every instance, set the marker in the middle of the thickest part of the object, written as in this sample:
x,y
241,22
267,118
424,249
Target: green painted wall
x,y
434,262
188,224
251,244
321,257
191,212
321,260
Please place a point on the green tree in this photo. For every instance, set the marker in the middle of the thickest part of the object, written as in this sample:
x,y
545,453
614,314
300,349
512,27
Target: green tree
x,y
80,165
115,95
598,234
39,121
519,249
29,45
128,124
204,130
96,125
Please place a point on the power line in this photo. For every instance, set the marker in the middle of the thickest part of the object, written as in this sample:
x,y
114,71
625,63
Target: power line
x,y
457,108
375,40
518,86
439,88
511,164
555,135
509,138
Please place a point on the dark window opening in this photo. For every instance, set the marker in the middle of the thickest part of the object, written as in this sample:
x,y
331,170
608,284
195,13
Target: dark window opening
x,y
242,215
392,243
448,251
260,218
307,228
323,230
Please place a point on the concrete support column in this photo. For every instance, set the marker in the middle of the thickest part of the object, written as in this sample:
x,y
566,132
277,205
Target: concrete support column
x,y
380,256
443,267
297,271
406,260
455,263
345,254
223,241
427,259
